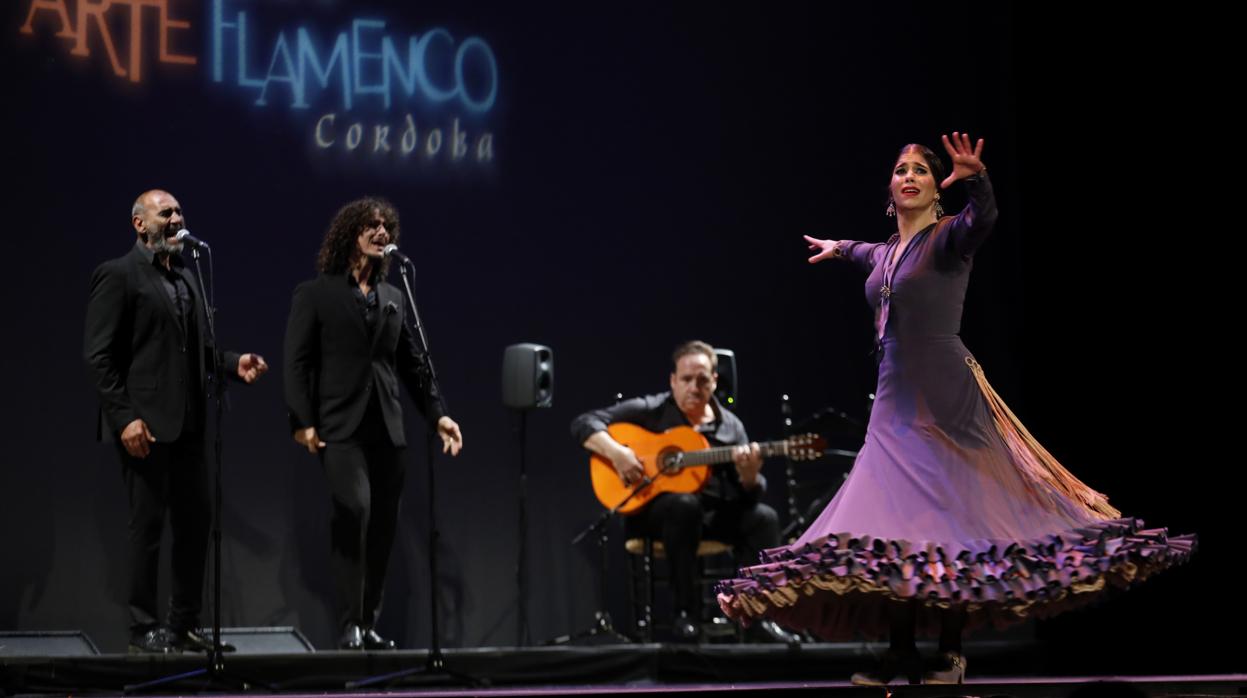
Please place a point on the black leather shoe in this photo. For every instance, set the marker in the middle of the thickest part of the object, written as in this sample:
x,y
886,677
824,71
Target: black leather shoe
x,y
352,637
769,631
683,628
154,641
193,641
891,666
952,670
373,641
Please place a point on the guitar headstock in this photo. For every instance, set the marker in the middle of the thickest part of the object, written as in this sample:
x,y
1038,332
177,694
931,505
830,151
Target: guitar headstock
x,y
806,446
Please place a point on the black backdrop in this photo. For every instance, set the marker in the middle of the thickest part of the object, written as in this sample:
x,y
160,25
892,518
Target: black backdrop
x,y
654,168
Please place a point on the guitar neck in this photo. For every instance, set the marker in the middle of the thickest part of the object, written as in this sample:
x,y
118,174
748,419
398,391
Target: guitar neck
x,y
723,454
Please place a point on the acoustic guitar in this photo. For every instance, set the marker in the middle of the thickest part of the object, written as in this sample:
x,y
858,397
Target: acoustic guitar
x,y
677,460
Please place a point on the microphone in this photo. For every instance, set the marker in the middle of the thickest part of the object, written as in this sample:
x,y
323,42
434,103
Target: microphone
x,y
184,235
391,250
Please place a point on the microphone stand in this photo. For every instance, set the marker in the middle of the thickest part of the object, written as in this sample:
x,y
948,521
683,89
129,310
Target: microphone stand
x,y
215,669
798,518
435,667
603,629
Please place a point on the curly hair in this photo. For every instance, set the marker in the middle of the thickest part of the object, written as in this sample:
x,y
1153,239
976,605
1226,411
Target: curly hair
x,y
340,249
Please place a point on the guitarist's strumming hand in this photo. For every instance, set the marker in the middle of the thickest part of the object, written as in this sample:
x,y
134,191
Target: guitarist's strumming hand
x,y
748,460
621,457
627,465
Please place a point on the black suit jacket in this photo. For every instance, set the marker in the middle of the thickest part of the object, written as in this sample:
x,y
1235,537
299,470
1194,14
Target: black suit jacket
x,y
134,346
333,366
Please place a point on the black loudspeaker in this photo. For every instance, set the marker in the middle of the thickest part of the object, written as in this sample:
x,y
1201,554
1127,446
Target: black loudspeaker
x,y
46,643
528,376
726,391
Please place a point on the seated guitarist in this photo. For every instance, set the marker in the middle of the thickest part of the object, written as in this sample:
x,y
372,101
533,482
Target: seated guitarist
x,y
727,508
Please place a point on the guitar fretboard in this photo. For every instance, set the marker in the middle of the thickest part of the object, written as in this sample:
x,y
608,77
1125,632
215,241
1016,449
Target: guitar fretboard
x,y
723,454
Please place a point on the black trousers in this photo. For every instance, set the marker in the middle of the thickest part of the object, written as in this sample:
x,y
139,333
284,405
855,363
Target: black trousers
x,y
366,476
681,521
173,480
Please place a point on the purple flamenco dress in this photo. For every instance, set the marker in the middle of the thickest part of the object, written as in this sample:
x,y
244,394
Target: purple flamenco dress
x,y
951,502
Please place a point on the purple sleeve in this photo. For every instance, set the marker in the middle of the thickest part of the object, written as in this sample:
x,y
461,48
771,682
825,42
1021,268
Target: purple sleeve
x,y
864,254
968,229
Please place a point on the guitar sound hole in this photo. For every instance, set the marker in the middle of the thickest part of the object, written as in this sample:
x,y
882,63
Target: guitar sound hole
x,y
669,461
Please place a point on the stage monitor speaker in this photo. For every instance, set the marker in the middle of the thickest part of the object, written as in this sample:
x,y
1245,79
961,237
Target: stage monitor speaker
x,y
527,376
269,640
727,390
46,643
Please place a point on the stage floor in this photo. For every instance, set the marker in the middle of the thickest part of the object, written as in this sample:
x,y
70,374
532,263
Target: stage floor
x,y
631,669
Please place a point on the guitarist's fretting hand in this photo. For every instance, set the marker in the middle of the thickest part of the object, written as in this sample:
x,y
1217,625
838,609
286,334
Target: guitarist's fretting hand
x,y
748,460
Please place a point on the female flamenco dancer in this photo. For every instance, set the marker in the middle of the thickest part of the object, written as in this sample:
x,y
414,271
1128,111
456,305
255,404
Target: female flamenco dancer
x,y
953,515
